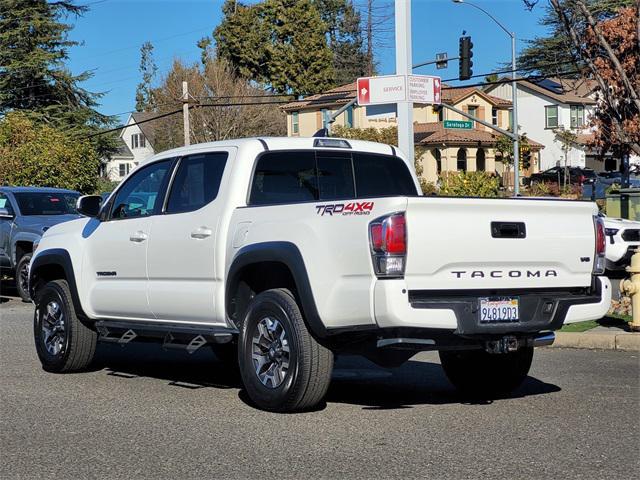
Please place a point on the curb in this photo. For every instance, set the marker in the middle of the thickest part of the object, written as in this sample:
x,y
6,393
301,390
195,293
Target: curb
x,y
600,341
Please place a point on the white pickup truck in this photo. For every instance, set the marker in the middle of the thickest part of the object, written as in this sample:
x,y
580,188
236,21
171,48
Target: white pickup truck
x,y
281,252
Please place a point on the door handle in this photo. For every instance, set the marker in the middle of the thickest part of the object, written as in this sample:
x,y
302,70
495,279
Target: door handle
x,y
202,232
138,237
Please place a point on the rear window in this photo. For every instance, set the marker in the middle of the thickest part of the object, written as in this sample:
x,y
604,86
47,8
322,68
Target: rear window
x,y
304,176
32,203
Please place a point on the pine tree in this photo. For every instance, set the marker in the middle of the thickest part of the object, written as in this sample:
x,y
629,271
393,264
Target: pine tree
x,y
279,43
144,91
33,76
344,36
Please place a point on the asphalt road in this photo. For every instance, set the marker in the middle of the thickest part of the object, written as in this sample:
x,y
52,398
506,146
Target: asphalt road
x,y
145,413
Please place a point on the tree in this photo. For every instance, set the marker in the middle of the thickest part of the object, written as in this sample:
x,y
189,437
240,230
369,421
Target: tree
x,y
217,80
568,139
554,55
33,76
148,69
280,43
344,38
39,155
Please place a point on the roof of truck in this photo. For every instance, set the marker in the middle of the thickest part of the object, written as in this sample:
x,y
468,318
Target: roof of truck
x,y
285,143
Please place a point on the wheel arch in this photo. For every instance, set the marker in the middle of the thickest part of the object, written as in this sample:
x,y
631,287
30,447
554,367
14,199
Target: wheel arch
x,y
267,265
54,264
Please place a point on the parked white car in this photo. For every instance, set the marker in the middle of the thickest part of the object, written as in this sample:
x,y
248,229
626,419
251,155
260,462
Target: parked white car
x,y
623,237
280,252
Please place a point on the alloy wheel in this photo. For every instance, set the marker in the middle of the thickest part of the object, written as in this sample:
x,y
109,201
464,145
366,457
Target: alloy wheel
x,y
270,352
53,328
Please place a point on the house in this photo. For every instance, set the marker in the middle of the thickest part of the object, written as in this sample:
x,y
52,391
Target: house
x,y
135,144
444,149
548,107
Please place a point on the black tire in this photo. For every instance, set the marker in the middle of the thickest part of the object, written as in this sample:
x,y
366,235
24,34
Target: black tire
x,y
478,373
306,380
76,342
22,277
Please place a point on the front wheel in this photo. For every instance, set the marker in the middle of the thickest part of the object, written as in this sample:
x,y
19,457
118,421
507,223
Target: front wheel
x,y
22,277
476,372
63,342
282,366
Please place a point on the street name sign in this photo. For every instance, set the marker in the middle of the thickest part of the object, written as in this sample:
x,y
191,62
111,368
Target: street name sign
x,y
458,124
398,88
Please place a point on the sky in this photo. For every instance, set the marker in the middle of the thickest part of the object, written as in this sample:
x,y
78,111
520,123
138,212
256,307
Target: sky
x,y
113,31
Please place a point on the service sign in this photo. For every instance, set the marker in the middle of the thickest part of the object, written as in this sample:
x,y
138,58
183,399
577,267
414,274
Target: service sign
x,y
381,90
398,88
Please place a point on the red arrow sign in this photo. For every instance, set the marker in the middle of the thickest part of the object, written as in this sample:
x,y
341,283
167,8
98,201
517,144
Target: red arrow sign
x,y
363,91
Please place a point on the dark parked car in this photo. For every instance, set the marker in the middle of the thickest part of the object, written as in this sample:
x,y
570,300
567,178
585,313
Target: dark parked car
x,y
25,214
575,176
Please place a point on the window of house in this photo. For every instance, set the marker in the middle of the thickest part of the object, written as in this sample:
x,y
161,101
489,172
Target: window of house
x,y
124,169
295,125
197,181
551,116
349,118
473,111
138,141
438,111
577,116
494,116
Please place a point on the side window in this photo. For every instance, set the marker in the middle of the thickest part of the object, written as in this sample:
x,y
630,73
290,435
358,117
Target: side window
x,y
197,182
335,177
6,203
284,177
139,195
381,175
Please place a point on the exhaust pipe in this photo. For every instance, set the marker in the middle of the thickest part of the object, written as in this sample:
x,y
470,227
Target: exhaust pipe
x,y
544,339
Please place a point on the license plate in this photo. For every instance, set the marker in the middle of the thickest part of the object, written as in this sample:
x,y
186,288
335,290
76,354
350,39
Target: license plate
x,y
504,309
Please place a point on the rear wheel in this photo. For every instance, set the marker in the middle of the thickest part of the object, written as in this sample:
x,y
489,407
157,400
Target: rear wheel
x,y
476,372
63,342
22,277
283,368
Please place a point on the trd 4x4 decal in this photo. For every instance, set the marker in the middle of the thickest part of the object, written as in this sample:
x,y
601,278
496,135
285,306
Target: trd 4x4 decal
x,y
352,208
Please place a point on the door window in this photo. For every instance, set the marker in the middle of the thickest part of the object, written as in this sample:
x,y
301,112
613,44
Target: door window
x,y
197,182
140,195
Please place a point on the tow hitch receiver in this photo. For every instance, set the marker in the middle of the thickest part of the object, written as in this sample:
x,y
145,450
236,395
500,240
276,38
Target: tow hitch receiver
x,y
506,344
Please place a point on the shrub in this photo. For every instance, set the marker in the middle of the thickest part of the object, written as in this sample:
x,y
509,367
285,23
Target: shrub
x,y
42,156
469,184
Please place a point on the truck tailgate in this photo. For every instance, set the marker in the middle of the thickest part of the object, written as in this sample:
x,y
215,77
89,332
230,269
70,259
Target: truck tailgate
x,y
473,243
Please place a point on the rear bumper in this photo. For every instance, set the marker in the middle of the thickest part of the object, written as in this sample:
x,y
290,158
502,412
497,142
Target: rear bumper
x,y
540,310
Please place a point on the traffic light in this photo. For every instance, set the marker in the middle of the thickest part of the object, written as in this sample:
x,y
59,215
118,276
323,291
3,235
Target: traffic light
x,y
465,62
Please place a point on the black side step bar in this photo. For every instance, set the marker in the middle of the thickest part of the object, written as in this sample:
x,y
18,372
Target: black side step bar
x,y
172,335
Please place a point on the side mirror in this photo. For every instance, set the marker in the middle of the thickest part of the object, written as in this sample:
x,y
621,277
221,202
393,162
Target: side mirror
x,y
4,213
89,205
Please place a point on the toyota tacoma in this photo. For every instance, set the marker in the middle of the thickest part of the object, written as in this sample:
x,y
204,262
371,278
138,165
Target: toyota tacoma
x,y
281,252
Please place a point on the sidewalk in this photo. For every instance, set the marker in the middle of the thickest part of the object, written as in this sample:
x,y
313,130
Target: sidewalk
x,y
608,335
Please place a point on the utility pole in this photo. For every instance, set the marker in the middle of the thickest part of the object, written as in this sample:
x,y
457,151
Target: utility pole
x,y
403,67
185,114
514,101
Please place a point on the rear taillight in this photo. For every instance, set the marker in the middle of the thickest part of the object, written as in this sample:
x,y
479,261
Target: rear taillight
x,y
601,246
388,242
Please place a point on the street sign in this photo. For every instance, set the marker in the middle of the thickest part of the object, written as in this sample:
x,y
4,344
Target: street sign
x,y
458,124
383,89
443,61
424,89
398,88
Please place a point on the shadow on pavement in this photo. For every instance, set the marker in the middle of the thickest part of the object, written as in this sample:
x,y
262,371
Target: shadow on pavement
x,y
356,381
8,290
